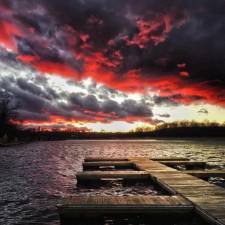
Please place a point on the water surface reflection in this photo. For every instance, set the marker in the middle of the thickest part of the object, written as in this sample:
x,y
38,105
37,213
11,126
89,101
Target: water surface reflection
x,y
34,177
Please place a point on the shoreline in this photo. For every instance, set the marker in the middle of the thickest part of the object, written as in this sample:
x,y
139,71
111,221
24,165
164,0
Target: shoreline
x,y
5,145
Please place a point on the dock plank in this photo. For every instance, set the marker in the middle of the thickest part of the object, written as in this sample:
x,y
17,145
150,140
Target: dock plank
x,y
75,206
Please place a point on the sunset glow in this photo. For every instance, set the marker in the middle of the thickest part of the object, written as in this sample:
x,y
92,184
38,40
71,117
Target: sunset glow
x,y
112,65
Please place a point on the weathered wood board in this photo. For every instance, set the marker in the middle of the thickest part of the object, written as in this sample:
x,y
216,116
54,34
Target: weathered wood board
x,y
77,206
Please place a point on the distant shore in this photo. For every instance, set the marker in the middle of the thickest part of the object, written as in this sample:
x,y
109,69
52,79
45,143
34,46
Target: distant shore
x,y
180,132
171,130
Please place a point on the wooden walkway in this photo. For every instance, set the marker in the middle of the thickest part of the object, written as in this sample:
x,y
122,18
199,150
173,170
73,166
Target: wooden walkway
x,y
186,192
208,199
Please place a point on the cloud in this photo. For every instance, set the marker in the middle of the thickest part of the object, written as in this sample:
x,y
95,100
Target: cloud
x,y
40,99
109,109
171,51
24,115
155,30
204,111
166,115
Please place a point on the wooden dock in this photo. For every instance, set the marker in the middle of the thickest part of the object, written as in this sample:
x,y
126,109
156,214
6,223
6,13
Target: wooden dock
x,y
186,193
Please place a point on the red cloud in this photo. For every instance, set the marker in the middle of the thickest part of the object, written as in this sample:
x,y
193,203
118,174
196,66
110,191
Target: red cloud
x,y
154,30
50,67
195,92
94,117
184,74
27,58
64,126
103,67
56,68
8,33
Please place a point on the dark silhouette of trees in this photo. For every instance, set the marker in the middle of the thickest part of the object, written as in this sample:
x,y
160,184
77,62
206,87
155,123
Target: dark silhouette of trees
x,y
8,130
180,129
186,129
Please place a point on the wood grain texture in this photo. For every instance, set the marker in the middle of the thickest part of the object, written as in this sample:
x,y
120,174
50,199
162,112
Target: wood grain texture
x,y
88,205
94,175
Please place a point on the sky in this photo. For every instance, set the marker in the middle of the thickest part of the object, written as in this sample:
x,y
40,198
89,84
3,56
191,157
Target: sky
x,y
84,65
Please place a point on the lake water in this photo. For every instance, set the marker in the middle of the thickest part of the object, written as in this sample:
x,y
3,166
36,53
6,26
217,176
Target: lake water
x,y
34,177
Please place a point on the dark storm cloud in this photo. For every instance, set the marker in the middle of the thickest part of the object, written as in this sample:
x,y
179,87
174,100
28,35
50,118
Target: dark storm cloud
x,y
176,100
31,116
192,33
128,108
175,48
36,33
28,86
36,101
137,109
158,100
198,41
88,102
25,96
32,103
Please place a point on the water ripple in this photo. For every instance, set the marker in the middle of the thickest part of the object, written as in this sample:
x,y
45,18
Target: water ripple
x,y
34,177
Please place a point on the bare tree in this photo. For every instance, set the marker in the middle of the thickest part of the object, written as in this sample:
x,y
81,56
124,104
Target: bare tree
x,y
7,115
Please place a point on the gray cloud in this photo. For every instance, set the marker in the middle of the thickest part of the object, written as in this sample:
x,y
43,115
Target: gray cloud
x,y
165,115
37,100
128,108
204,111
65,35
